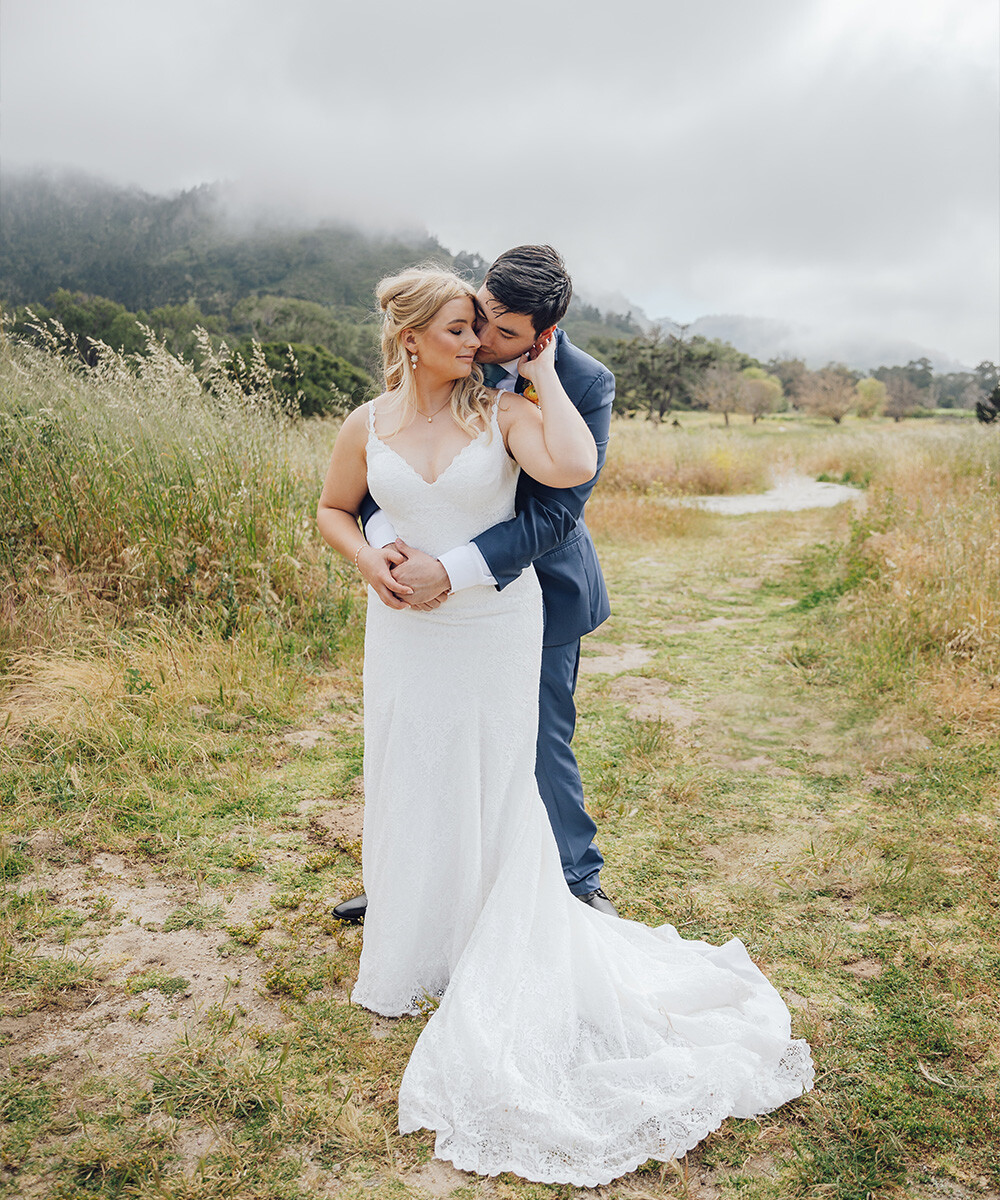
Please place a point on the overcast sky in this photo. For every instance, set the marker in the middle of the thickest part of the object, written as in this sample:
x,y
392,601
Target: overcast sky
x,y
829,163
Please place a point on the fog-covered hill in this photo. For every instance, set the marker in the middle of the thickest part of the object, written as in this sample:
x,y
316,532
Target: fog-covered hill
x,y
767,339
204,246
201,245
143,250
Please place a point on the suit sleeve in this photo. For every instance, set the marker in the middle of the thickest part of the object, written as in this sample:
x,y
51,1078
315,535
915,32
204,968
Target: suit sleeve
x,y
368,508
547,516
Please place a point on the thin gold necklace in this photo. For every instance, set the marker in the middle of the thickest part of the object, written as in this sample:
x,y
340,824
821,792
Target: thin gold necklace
x,y
436,411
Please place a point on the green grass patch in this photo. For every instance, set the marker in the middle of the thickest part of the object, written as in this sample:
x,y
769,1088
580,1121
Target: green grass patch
x,y
144,981
193,916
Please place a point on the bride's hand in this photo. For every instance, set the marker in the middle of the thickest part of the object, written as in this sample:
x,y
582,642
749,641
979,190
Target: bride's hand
x,y
376,566
539,358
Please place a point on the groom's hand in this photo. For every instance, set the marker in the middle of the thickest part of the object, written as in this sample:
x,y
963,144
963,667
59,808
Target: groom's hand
x,y
375,565
425,576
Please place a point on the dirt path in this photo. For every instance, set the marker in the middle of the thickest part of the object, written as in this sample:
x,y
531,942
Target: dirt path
x,y
704,639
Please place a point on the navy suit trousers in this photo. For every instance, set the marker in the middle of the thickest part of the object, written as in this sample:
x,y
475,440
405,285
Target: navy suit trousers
x,y
557,772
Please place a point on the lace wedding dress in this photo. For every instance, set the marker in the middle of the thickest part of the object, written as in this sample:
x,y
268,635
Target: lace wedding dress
x,y
568,1046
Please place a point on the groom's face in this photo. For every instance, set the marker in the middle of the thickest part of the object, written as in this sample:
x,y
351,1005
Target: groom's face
x,y
503,335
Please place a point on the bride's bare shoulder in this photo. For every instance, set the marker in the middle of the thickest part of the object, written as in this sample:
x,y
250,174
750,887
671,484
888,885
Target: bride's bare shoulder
x,y
354,429
358,418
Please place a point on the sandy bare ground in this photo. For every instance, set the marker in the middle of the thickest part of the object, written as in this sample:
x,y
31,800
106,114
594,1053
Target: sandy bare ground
x,y
791,494
114,1027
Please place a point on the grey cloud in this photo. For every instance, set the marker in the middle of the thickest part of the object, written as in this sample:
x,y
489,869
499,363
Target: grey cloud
x,y
823,161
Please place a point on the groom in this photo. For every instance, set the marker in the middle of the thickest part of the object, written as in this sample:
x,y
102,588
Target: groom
x,y
526,292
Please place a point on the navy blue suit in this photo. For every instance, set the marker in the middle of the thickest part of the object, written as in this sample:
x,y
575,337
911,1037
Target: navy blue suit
x,y
548,531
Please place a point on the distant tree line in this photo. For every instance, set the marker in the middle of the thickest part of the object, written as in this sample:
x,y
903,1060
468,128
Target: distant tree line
x,y
323,362
660,372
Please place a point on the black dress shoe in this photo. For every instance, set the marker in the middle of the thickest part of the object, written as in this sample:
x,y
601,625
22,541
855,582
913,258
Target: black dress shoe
x,y
596,900
352,910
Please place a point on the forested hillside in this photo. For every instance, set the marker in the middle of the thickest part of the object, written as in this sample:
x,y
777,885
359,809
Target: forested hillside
x,y
105,262
146,251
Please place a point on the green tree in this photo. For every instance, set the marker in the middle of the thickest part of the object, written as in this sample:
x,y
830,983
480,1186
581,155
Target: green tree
x,y
917,371
175,324
271,318
88,319
658,372
646,378
988,375
988,410
959,389
792,373
871,394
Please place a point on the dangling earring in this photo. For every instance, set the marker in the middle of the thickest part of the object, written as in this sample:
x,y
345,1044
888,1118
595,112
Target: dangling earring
x,y
413,362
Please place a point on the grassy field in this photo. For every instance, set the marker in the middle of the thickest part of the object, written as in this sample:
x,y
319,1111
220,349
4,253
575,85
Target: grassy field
x,y
787,732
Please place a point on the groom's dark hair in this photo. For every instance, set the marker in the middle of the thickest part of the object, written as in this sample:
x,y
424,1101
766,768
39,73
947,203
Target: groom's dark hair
x,y
531,280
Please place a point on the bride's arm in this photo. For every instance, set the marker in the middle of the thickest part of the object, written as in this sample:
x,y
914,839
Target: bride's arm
x,y
551,441
340,501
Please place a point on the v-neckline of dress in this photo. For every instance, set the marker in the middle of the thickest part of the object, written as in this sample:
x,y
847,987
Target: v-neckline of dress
x,y
406,462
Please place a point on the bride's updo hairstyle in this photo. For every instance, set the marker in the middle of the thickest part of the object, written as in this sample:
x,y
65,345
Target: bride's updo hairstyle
x,y
411,300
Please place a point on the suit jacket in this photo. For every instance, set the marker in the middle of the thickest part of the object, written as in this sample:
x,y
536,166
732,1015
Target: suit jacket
x,y
548,527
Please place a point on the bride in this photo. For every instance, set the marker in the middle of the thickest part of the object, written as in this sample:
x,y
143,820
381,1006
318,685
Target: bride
x,y
568,1046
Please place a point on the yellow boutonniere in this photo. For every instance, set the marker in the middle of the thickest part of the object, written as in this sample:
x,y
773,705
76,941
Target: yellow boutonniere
x,y
529,393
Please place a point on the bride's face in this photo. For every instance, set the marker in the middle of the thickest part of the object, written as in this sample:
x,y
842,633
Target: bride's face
x,y
446,349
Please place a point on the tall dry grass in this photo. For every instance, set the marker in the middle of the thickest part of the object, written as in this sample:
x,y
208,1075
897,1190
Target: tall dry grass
x,y
929,552
919,576
660,460
136,485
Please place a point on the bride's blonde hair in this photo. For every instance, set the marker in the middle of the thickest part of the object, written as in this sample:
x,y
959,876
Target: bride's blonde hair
x,y
411,300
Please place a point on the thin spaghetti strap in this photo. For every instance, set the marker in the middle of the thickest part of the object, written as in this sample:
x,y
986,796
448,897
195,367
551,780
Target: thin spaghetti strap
x,y
371,416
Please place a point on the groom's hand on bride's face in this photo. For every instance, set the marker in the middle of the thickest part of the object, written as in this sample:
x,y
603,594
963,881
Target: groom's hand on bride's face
x,y
424,575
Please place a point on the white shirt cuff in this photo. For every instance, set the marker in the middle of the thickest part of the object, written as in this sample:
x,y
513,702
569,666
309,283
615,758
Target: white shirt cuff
x,y
466,567
379,530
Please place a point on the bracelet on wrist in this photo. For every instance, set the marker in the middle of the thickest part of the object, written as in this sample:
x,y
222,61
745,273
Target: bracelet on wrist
x,y
356,553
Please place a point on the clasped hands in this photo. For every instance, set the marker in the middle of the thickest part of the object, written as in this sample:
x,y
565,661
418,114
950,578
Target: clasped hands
x,y
404,577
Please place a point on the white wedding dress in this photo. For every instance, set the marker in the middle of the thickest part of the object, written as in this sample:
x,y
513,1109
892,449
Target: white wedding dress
x,y
568,1046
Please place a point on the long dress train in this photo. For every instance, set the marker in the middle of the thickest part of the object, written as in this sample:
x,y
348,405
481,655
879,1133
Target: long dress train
x,y
568,1046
